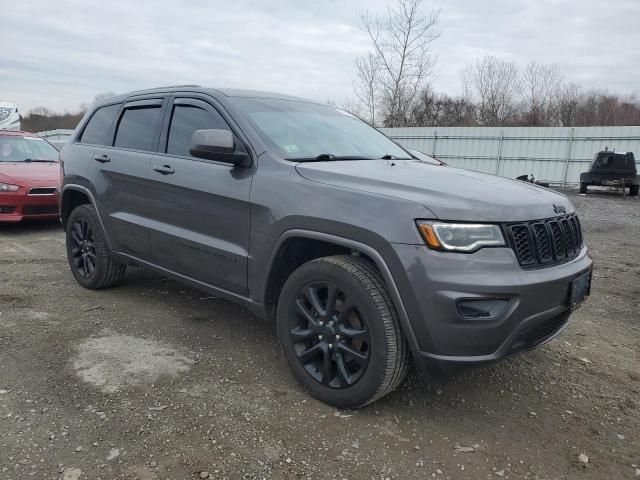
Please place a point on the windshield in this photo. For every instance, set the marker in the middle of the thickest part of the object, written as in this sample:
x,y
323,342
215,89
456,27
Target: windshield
x,y
304,131
15,148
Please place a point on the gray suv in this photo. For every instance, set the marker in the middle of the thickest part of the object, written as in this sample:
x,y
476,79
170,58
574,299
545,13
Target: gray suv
x,y
367,258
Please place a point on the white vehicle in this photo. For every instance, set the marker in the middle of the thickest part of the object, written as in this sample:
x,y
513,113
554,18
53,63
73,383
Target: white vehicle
x,y
9,116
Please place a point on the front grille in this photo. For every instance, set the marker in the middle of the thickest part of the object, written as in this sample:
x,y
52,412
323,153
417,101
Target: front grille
x,y
522,244
533,336
40,209
543,243
42,191
556,237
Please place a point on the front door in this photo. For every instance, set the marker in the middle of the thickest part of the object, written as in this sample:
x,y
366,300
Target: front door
x,y
200,208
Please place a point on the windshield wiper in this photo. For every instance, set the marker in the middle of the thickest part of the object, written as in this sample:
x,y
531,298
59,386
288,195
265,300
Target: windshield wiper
x,y
323,157
37,160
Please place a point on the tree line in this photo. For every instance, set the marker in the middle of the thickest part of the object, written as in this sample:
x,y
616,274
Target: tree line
x,y
393,85
41,119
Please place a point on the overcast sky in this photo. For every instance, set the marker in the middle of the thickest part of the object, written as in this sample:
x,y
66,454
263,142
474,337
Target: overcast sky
x,y
61,53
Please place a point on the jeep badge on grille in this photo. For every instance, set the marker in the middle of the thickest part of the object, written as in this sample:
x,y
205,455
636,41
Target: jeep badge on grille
x,y
559,208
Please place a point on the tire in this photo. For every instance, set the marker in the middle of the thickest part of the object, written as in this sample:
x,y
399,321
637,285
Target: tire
x,y
633,190
363,324
583,187
88,252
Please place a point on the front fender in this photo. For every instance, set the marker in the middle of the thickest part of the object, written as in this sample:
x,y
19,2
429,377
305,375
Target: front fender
x,y
387,263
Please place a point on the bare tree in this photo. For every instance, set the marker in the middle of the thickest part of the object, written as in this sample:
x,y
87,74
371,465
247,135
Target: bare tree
x,y
401,60
568,104
540,92
630,110
438,109
352,106
495,84
367,87
608,109
427,111
41,112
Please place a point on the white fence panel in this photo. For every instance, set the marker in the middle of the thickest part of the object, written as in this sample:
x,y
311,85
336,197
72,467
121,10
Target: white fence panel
x,y
553,154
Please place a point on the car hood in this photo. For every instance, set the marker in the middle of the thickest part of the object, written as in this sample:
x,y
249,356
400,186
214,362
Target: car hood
x,y
449,193
29,172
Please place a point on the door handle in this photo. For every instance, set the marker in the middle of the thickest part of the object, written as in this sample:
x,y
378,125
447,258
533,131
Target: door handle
x,y
102,158
164,169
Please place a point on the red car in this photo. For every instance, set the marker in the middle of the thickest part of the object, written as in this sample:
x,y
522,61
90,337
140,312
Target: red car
x,y
29,177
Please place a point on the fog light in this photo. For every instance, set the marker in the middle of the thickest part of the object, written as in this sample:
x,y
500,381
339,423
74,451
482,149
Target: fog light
x,y
482,309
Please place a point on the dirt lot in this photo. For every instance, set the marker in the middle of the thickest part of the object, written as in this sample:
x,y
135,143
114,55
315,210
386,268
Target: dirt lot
x,y
153,380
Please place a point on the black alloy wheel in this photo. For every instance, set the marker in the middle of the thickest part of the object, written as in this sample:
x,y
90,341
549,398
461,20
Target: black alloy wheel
x,y
90,259
330,335
83,249
339,331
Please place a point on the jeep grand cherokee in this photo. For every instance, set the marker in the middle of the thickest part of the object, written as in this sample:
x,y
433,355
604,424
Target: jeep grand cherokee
x,y
366,257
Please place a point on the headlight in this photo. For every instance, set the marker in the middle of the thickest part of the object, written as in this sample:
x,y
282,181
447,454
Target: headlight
x,y
460,237
6,187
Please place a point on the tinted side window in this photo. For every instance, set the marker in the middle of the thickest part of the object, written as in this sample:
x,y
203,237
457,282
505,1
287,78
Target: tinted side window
x,y
187,119
137,128
95,133
603,161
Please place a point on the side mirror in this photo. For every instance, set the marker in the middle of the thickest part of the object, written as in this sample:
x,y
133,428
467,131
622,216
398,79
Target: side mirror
x,y
217,145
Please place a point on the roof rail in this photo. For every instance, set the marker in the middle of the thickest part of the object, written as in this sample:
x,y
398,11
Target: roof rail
x,y
176,86
145,90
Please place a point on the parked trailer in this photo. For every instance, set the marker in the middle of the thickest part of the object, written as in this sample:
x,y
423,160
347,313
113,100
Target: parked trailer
x,y
9,116
612,169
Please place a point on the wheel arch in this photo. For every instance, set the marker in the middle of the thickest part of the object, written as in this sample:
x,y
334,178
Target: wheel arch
x,y
73,195
334,245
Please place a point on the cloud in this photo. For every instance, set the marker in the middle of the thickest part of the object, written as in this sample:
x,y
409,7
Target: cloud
x,y
60,54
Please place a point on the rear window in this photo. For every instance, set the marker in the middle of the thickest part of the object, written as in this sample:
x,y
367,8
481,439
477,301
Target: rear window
x,y
615,161
138,128
95,133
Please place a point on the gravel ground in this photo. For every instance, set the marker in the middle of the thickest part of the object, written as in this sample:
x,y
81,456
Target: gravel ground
x,y
153,380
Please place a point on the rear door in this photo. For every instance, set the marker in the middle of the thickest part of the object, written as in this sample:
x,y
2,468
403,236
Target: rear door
x,y
200,208
121,174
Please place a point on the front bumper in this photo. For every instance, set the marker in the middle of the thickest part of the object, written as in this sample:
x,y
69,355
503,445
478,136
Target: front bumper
x,y
18,206
537,308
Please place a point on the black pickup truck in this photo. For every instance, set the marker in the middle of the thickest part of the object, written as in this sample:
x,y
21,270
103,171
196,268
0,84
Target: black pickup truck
x,y
616,169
